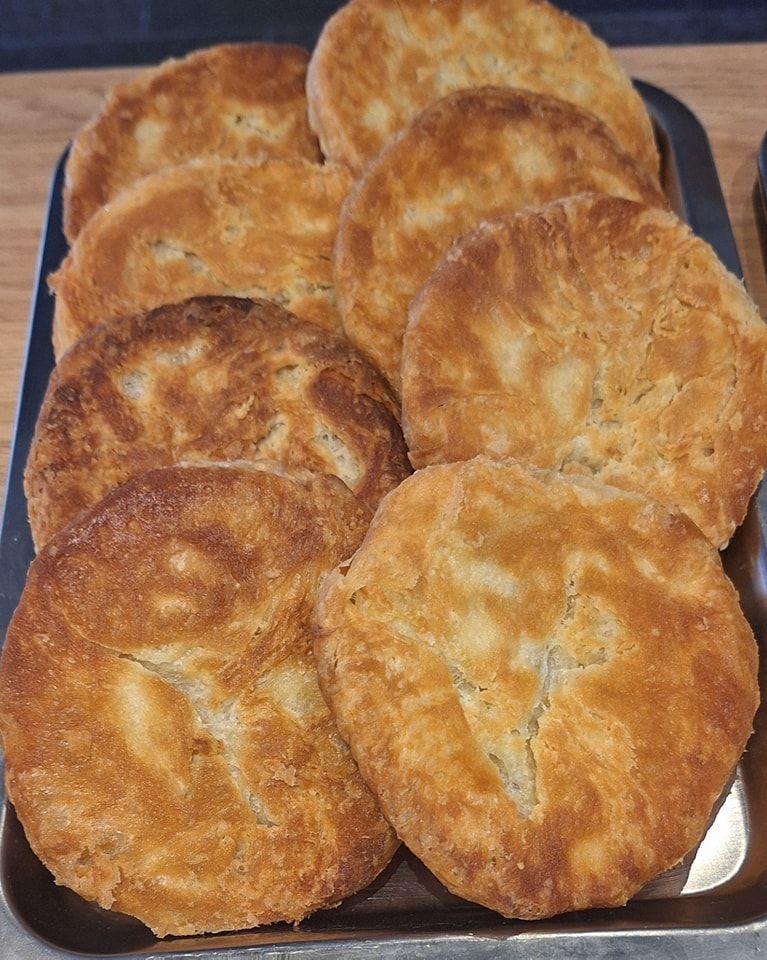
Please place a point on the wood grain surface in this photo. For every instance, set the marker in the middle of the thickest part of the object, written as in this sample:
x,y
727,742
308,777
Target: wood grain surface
x,y
39,112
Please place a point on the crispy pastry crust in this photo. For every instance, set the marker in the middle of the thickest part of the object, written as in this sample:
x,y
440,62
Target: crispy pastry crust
x,y
378,63
473,155
207,227
234,101
167,747
546,682
597,336
213,378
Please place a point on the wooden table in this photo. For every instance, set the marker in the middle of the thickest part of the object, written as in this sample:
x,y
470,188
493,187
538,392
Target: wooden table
x,y
39,112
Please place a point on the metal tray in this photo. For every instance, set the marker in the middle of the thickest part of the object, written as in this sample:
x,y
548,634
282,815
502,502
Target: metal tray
x,y
713,905
760,197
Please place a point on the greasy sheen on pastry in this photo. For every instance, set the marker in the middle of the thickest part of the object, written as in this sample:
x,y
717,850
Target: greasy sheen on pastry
x,y
378,63
208,227
167,748
473,155
213,378
595,336
235,101
546,681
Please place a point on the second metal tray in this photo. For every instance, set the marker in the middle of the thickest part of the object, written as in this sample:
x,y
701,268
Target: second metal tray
x,y
712,905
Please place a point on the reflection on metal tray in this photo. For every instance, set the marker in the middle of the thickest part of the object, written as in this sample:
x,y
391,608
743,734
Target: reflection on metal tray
x,y
714,904
760,198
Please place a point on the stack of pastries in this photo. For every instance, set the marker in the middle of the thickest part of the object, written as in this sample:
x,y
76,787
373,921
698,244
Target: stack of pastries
x,y
254,652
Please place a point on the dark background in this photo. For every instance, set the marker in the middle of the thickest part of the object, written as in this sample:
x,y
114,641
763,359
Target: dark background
x,y
42,34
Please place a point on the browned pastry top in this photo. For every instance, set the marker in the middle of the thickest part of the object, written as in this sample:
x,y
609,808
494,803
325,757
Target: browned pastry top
x,y
378,62
213,378
475,154
235,101
597,336
547,682
167,748
207,227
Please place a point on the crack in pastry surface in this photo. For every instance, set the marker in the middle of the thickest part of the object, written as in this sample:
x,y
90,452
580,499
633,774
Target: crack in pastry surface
x,y
158,680
522,663
215,721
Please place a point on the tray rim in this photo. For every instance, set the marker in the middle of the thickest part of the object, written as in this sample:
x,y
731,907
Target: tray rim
x,y
697,177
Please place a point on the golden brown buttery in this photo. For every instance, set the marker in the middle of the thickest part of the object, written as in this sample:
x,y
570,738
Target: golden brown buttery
x,y
234,101
211,379
167,748
207,227
378,63
597,336
547,682
472,155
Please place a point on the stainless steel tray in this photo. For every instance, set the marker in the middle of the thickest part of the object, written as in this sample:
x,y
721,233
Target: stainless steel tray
x,y
712,905
760,198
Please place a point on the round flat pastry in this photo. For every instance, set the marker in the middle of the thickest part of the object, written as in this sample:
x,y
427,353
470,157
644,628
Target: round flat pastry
x,y
378,63
213,378
207,227
238,101
595,336
167,748
547,682
476,154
